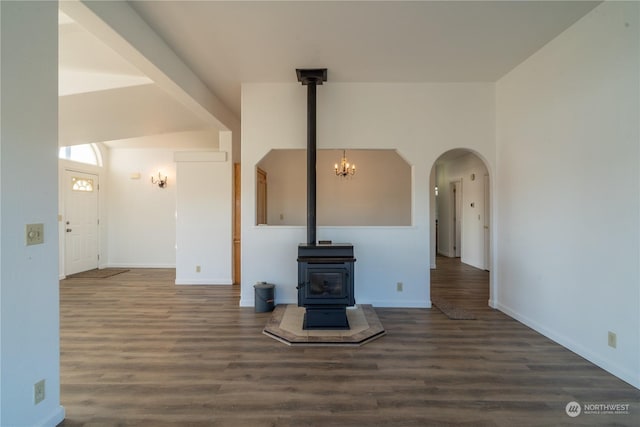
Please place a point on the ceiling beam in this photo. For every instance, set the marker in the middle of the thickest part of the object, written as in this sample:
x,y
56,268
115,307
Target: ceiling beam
x,y
121,28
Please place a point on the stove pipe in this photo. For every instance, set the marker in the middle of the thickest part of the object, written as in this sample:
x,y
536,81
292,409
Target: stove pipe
x,y
311,78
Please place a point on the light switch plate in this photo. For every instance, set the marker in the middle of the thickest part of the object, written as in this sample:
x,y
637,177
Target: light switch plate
x,y
34,234
38,392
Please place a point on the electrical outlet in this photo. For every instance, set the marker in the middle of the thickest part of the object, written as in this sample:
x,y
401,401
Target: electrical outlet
x,y
399,286
612,339
38,392
197,269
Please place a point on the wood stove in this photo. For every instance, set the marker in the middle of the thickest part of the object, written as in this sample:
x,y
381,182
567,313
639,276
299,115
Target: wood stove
x,y
325,284
325,270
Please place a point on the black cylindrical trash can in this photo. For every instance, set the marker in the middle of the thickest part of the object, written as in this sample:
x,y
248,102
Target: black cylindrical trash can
x,y
264,299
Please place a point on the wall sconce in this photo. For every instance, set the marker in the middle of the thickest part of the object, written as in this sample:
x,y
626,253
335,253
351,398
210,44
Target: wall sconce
x,y
161,182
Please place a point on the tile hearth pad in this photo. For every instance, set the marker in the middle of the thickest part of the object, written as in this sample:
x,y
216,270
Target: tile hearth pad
x,y
285,325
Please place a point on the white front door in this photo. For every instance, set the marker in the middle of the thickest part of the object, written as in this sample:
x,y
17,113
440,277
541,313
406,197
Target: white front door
x,y
81,222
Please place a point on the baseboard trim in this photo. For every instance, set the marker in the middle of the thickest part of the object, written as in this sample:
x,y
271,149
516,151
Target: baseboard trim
x,y
249,302
204,282
397,304
55,418
139,266
618,371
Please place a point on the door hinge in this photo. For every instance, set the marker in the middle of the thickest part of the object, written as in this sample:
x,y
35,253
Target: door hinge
x,y
98,257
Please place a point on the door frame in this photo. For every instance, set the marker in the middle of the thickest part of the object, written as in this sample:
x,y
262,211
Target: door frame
x,y
490,220
455,232
261,197
237,228
71,166
487,222
64,250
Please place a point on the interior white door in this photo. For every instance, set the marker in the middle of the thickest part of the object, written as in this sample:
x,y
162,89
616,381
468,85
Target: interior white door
x,y
81,221
456,197
487,220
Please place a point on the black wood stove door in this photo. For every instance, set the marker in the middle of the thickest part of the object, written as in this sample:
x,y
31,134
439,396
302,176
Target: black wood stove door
x,y
325,284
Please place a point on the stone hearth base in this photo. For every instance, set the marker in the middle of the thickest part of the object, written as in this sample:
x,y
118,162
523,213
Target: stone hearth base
x,y
285,325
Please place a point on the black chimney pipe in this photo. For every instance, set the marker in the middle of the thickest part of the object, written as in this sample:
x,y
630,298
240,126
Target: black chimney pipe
x,y
311,78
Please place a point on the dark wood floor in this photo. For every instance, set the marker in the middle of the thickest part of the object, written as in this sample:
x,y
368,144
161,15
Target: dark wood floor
x,y
138,350
467,286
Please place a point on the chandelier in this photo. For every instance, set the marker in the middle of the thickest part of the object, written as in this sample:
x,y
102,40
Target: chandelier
x,y
344,168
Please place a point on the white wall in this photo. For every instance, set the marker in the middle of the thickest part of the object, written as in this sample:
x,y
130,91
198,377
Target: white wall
x,y
205,216
472,229
378,194
421,121
29,318
567,186
142,216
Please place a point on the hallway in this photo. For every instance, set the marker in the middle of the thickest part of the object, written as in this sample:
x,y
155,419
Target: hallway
x,y
461,284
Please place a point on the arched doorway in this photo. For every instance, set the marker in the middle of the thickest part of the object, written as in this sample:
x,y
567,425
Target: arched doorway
x,y
460,229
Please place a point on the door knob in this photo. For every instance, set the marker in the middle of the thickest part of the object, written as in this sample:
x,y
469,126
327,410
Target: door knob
x,y
68,230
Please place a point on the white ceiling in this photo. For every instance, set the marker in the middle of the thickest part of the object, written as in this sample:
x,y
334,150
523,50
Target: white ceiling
x,y
103,97
227,43
88,65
